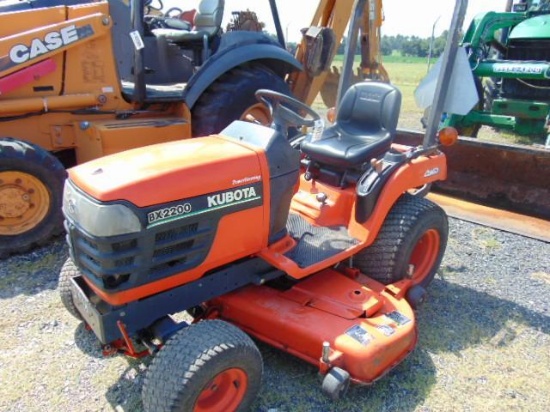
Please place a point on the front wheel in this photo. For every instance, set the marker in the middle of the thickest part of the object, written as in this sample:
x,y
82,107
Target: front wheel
x,y
31,188
336,383
232,97
208,366
411,242
68,271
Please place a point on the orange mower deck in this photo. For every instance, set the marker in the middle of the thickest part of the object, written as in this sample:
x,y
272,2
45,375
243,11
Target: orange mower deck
x,y
367,327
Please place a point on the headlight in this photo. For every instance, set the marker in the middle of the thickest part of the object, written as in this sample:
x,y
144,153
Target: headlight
x,y
97,219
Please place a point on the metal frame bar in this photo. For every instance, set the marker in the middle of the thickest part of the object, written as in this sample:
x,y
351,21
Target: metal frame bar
x,y
444,78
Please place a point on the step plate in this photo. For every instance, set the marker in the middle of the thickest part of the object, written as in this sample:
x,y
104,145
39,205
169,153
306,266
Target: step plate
x,y
316,243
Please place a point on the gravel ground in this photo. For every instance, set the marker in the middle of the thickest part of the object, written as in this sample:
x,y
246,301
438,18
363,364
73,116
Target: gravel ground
x,y
484,341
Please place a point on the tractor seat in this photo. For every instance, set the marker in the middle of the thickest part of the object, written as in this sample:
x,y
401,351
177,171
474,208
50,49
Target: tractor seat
x,y
364,128
207,22
174,23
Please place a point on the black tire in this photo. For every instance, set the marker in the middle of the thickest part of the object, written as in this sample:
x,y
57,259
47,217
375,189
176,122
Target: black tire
x,y
188,364
412,223
68,271
469,131
416,296
230,96
18,158
336,383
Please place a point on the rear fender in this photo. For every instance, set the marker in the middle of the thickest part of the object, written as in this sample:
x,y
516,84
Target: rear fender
x,y
270,55
417,173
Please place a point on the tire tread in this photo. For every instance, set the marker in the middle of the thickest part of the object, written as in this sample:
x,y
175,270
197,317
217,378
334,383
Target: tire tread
x,y
30,158
68,271
234,89
380,260
186,356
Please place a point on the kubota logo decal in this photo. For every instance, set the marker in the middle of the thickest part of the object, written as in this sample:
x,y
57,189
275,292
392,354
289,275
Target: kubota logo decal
x,y
53,40
221,199
214,204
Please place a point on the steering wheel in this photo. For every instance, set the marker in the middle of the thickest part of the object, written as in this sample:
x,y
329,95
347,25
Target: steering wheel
x,y
285,112
173,10
149,5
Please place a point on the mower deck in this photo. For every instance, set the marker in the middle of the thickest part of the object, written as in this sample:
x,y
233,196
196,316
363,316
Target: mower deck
x,y
368,327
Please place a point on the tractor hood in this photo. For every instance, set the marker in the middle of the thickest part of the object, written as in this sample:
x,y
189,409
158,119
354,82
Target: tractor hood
x,y
167,172
533,28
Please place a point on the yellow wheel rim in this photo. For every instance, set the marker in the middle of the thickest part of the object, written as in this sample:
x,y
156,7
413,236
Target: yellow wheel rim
x,y
257,113
24,202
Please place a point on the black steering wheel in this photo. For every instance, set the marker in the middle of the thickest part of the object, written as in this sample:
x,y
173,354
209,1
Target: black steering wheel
x,y
173,12
285,111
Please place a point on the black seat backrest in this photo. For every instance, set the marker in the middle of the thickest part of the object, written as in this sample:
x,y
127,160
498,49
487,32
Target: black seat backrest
x,y
209,16
364,128
368,107
207,22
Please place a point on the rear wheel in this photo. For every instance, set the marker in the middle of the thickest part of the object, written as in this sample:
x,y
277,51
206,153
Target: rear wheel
x,y
411,241
208,366
232,97
31,189
68,271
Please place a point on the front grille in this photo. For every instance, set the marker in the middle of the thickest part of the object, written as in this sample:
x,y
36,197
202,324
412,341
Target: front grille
x,y
122,262
168,235
176,249
528,89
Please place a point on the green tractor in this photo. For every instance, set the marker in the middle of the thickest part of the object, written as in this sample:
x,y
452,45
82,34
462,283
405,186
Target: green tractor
x,y
509,54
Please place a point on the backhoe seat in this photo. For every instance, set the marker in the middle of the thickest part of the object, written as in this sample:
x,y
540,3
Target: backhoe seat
x,y
207,22
364,128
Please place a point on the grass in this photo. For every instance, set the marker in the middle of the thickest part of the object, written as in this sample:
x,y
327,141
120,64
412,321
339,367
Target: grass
x,y
404,72
485,239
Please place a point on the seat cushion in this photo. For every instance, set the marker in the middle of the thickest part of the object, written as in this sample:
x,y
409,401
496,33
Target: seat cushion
x,y
338,148
178,36
178,24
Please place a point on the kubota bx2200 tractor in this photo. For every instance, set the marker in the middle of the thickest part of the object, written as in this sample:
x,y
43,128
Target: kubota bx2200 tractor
x,y
236,229
321,252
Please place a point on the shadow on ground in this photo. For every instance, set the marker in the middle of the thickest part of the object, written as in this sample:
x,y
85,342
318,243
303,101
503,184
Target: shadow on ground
x,y
86,342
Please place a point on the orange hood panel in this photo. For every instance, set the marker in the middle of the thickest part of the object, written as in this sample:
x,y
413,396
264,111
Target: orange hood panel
x,y
169,171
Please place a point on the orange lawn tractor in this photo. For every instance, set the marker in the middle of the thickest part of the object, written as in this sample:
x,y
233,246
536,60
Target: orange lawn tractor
x,y
322,252
241,230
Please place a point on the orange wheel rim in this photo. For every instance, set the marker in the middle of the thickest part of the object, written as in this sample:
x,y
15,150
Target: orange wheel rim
x,y
257,113
424,255
24,202
223,393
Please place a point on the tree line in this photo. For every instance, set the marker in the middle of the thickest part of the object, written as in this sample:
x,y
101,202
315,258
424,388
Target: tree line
x,y
406,45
